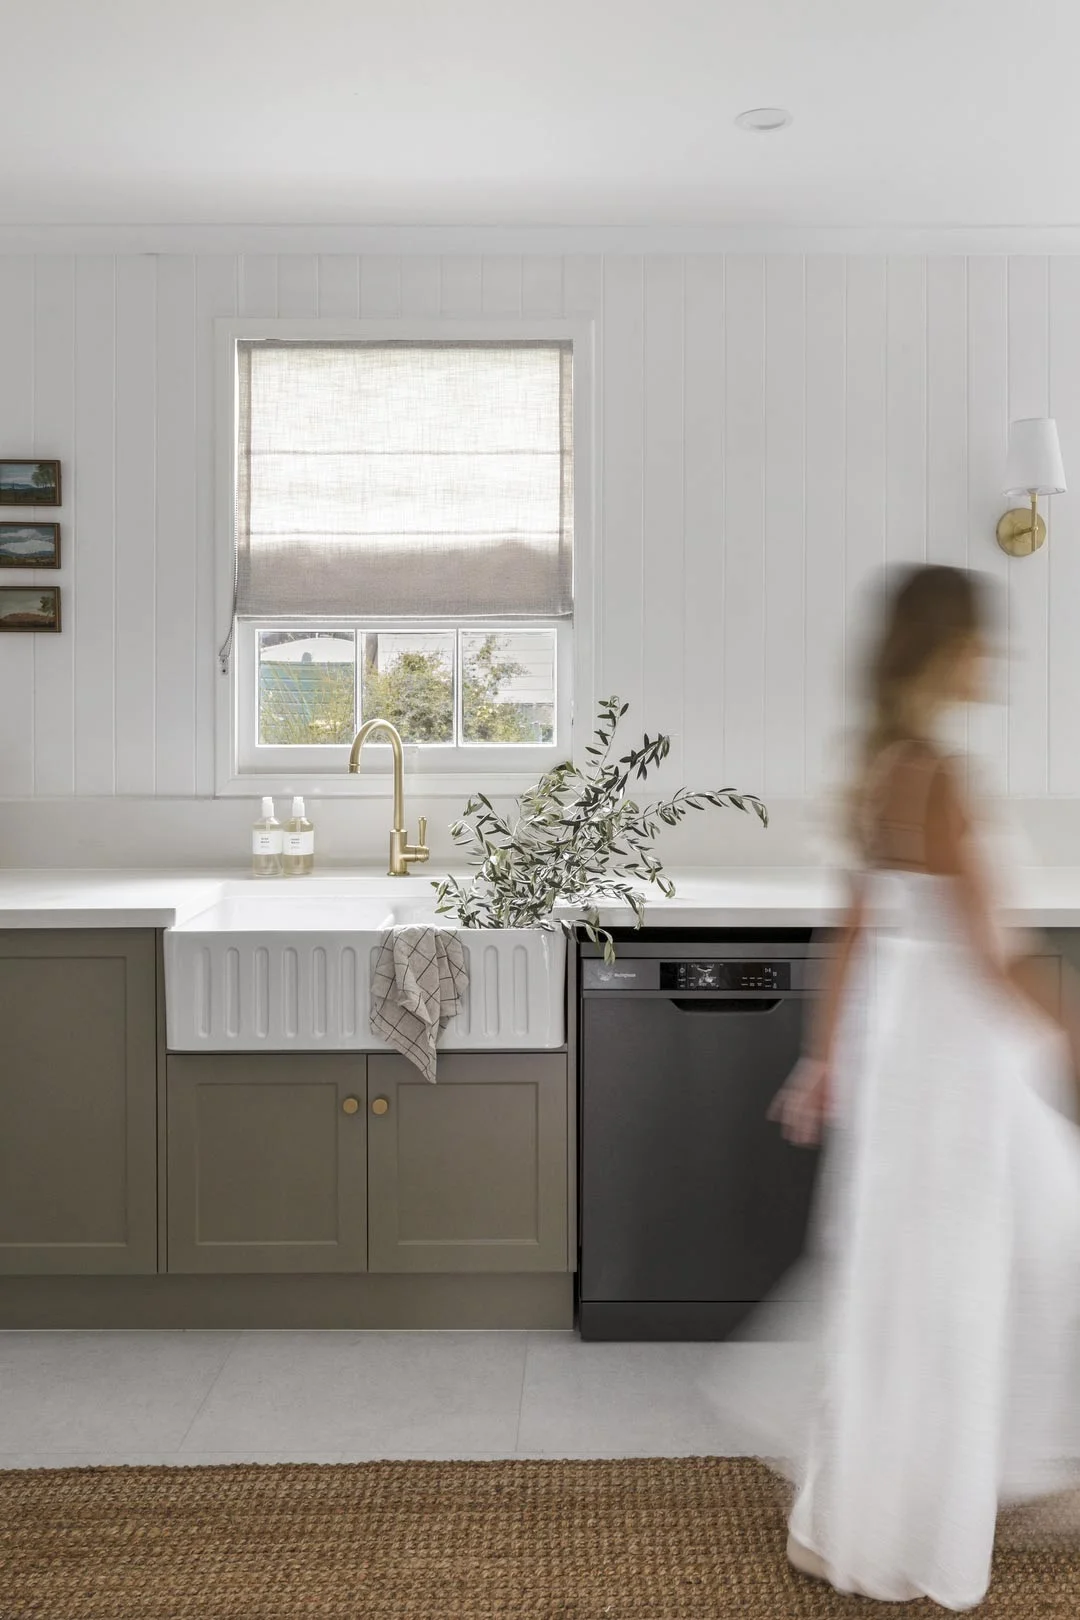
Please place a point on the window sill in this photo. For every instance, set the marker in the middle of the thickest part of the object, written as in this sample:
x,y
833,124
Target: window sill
x,y
374,783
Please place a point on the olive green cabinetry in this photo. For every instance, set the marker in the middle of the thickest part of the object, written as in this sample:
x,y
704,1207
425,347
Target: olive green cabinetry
x,y
320,1162
78,1066
468,1174
117,1159
267,1163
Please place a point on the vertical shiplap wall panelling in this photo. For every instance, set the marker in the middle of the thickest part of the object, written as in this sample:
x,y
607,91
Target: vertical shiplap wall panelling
x,y
500,285
946,424
462,284
541,285
95,562
825,514
785,531
338,285
946,412
1063,531
582,285
421,284
298,286
581,279
987,418
703,582
1028,576
216,297
905,396
136,481
865,553
743,627
621,518
380,285
258,285
663,524
766,432
176,526
54,435
17,435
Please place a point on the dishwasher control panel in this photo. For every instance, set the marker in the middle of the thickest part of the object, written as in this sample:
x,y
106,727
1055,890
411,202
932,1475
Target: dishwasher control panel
x,y
686,975
725,975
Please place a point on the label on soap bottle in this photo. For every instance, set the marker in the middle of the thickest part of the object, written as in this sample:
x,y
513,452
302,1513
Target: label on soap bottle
x,y
299,843
266,842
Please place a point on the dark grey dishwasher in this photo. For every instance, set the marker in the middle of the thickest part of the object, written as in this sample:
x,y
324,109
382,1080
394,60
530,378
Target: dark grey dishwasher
x,y
692,1205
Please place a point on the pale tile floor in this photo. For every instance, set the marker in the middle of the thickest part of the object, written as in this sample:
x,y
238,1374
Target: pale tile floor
x,y
71,1399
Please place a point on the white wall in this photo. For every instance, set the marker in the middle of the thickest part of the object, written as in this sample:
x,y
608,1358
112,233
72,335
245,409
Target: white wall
x,y
769,427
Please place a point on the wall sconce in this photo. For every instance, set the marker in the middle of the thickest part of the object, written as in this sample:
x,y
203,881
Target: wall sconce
x,y
1033,467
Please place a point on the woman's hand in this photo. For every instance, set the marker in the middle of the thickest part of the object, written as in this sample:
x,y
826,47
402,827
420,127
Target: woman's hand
x,y
800,1107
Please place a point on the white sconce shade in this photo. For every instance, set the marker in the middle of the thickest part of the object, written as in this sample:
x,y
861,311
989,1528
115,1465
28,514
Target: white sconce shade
x,y
1034,461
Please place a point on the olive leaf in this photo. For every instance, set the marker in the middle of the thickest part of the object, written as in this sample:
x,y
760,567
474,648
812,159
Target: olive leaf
x,y
576,842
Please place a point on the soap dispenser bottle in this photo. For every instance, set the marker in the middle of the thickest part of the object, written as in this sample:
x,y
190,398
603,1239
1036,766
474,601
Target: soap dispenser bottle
x,y
266,843
299,856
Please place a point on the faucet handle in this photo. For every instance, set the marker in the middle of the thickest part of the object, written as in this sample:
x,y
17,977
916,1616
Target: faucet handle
x,y
423,832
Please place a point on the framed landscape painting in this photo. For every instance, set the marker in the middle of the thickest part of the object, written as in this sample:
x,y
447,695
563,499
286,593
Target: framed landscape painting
x,y
29,545
29,607
29,483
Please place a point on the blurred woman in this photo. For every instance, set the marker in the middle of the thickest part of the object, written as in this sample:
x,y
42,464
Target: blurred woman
x,y
950,1204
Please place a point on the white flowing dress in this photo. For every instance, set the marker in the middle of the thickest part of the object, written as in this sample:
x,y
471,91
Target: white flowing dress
x,y
933,1361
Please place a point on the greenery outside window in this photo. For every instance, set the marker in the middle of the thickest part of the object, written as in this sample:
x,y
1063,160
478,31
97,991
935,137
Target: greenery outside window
x,y
440,688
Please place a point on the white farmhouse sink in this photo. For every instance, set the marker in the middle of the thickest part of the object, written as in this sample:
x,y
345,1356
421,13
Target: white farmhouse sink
x,y
286,967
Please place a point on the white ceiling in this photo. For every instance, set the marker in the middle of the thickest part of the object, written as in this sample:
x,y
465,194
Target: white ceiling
x,y
557,112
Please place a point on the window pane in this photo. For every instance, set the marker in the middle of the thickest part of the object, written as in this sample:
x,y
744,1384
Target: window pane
x,y
508,686
409,680
307,686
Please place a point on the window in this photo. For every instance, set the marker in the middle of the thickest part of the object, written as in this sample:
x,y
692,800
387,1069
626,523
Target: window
x,y
444,688
403,547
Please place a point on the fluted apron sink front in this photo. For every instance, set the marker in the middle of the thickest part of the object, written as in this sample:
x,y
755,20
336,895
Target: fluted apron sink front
x,y
286,967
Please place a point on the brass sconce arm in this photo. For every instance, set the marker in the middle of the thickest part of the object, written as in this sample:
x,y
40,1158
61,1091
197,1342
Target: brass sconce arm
x,y
1020,532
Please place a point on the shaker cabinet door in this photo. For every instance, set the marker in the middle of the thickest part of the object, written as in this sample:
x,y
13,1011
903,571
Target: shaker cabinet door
x,y
266,1163
468,1174
78,1101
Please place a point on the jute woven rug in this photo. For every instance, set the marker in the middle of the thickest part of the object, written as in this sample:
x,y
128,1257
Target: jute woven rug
x,y
645,1539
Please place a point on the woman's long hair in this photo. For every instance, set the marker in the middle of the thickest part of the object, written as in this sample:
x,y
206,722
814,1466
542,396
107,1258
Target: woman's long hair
x,y
928,615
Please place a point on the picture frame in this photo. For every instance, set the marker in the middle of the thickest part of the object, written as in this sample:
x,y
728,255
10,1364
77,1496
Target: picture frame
x,y
29,482
29,608
29,545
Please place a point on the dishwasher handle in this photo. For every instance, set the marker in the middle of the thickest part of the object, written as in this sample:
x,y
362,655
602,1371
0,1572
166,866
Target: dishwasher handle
x,y
733,1004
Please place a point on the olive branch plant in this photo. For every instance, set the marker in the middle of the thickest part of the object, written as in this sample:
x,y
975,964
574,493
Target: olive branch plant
x,y
576,841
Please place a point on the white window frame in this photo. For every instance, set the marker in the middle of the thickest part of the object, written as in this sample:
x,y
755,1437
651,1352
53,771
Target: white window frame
x,y
429,760
446,771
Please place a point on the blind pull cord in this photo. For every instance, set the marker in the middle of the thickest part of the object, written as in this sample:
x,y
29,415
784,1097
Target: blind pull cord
x,y
225,650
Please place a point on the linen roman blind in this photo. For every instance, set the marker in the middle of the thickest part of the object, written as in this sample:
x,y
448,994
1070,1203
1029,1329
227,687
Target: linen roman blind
x,y
404,479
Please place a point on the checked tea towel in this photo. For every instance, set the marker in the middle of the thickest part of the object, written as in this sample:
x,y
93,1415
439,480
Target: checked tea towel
x,y
417,986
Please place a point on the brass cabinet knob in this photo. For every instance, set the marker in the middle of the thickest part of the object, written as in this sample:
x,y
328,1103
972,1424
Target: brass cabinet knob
x,y
380,1106
350,1105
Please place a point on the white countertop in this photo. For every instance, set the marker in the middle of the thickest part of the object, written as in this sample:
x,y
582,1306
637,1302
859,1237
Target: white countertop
x,y
757,897
62,898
